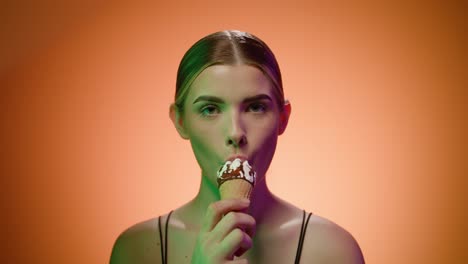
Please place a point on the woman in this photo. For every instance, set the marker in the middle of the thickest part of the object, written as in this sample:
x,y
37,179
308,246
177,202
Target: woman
x,y
229,103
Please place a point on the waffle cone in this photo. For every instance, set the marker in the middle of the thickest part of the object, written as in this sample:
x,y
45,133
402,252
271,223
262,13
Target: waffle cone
x,y
235,188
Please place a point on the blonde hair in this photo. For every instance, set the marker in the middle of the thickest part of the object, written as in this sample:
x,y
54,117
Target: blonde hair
x,y
228,47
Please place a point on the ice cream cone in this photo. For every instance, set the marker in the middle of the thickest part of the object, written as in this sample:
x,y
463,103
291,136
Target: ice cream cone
x,y
235,188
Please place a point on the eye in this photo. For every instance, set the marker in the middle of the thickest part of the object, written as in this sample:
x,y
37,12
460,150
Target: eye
x,y
258,107
209,110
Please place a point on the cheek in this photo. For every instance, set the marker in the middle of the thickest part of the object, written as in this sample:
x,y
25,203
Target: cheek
x,y
264,131
267,145
265,141
205,145
204,135
265,155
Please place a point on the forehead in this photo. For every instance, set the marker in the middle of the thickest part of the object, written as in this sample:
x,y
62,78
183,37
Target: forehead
x,y
230,82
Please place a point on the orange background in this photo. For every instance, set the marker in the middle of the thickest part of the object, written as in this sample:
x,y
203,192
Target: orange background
x,y
375,141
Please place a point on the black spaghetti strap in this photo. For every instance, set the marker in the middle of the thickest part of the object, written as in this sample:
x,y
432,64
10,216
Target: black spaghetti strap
x,y
301,237
167,244
164,244
160,240
296,261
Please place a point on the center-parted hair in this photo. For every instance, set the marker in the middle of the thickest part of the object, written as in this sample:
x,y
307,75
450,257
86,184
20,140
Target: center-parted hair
x,y
228,47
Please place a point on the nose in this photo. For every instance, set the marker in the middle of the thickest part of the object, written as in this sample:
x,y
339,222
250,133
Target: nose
x,y
236,136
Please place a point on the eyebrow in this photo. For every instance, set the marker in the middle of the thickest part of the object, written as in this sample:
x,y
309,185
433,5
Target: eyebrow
x,y
215,99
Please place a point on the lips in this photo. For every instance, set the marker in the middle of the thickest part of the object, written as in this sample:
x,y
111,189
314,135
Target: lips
x,y
240,156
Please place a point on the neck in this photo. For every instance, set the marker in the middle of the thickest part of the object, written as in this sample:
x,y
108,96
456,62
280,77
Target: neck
x,y
262,202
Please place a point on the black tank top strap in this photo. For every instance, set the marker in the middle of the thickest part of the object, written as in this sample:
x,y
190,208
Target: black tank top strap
x,y
164,243
301,236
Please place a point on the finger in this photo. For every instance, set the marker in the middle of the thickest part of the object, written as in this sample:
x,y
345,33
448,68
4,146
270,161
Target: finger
x,y
238,261
240,252
244,247
217,209
234,241
231,221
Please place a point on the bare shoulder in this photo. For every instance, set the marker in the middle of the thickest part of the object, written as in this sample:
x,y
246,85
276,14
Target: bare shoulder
x,y
138,244
327,242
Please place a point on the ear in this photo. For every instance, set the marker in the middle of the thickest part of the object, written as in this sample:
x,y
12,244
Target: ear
x,y
176,118
284,117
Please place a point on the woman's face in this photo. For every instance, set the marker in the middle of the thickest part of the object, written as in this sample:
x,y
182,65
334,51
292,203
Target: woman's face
x,y
231,110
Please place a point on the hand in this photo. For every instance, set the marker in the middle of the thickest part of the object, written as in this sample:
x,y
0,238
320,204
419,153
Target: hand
x,y
226,232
